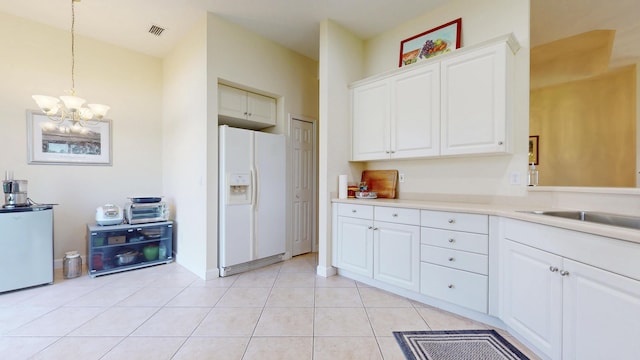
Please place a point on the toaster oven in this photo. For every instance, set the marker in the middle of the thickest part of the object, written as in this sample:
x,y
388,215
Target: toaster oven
x,y
140,213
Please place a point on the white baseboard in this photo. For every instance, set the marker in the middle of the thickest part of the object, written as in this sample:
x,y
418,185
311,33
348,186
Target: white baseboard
x,y
326,271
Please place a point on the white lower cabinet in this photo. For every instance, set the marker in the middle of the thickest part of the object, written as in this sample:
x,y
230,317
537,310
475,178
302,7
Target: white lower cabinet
x,y
354,250
388,251
396,250
532,295
568,309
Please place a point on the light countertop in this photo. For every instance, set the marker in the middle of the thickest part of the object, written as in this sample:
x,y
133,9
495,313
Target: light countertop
x,y
507,211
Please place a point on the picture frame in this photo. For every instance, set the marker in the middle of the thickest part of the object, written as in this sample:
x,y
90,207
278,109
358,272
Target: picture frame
x,y
533,149
444,39
67,143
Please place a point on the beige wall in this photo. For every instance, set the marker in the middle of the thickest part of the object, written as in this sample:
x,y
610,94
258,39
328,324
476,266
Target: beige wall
x,y
184,133
36,59
587,130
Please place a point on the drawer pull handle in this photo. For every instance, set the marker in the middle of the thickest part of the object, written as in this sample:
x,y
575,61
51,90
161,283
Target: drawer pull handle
x,y
395,215
564,273
553,269
452,221
375,228
452,259
370,227
450,286
452,240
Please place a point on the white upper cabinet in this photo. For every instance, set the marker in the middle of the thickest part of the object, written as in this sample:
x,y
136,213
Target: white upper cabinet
x,y
237,107
398,116
454,104
415,113
475,114
370,125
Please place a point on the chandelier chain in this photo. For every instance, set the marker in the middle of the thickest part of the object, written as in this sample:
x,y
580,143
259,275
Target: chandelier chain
x,y
73,48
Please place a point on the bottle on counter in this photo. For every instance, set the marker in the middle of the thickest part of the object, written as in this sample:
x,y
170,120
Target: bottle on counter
x,y
532,177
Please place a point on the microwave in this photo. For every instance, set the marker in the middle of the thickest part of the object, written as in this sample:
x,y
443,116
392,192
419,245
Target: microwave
x,y
140,213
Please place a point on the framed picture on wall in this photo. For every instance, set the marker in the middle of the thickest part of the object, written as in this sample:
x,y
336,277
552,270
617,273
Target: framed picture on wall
x,y
439,40
533,149
67,142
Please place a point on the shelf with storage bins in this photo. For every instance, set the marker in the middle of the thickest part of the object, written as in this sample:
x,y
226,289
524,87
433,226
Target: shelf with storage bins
x,y
125,247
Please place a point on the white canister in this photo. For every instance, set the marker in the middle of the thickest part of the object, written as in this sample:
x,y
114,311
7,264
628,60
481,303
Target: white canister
x,y
71,265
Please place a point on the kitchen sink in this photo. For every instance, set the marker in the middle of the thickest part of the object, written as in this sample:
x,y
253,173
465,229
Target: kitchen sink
x,y
631,222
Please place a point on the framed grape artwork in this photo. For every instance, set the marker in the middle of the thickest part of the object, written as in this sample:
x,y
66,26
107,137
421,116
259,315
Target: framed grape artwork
x,y
439,40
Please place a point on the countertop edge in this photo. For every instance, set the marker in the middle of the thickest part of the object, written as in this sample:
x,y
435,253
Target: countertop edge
x,y
517,212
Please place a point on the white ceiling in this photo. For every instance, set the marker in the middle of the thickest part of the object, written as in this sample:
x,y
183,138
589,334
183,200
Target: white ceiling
x,y
295,23
556,19
292,23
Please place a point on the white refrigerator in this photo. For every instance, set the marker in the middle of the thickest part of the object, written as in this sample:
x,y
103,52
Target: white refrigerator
x,y
252,185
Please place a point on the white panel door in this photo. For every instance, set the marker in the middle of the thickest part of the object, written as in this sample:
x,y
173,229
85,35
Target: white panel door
x,y
370,121
396,250
354,242
474,102
415,113
270,194
531,290
601,314
303,170
235,220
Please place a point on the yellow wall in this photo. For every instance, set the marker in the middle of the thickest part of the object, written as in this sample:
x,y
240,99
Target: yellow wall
x,y
587,130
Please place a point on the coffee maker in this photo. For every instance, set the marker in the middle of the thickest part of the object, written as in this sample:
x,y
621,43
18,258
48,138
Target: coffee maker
x,y
15,192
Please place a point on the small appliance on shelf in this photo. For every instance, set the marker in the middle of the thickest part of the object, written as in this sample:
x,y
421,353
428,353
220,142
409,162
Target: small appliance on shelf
x,y
142,210
109,214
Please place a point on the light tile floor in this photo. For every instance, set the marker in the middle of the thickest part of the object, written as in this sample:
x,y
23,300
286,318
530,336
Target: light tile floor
x,y
283,311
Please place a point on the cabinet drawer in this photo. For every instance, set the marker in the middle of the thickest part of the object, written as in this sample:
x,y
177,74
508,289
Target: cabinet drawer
x,y
456,286
456,240
475,223
356,211
455,259
397,215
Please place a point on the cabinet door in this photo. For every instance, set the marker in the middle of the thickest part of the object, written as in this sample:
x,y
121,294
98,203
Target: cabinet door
x,y
396,252
474,102
531,290
370,121
232,102
601,313
261,108
415,113
354,244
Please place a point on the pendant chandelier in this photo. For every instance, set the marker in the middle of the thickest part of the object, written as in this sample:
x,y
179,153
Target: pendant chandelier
x,y
70,107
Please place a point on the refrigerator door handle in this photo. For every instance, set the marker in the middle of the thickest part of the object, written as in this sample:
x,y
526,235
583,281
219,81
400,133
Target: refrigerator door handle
x,y
254,188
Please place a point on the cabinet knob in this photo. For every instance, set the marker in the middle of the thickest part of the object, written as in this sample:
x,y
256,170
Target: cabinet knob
x,y
450,286
553,269
245,113
375,228
250,114
452,259
452,221
500,142
395,215
452,240
370,227
564,273
354,211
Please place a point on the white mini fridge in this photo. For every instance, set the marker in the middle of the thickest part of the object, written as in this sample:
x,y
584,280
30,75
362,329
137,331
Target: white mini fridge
x,y
26,240
252,185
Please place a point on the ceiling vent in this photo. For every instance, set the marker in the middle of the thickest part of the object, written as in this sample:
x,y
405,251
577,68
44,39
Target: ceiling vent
x,y
156,30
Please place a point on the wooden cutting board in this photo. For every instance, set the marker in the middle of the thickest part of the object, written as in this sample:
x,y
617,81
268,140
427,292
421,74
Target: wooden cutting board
x,y
383,182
